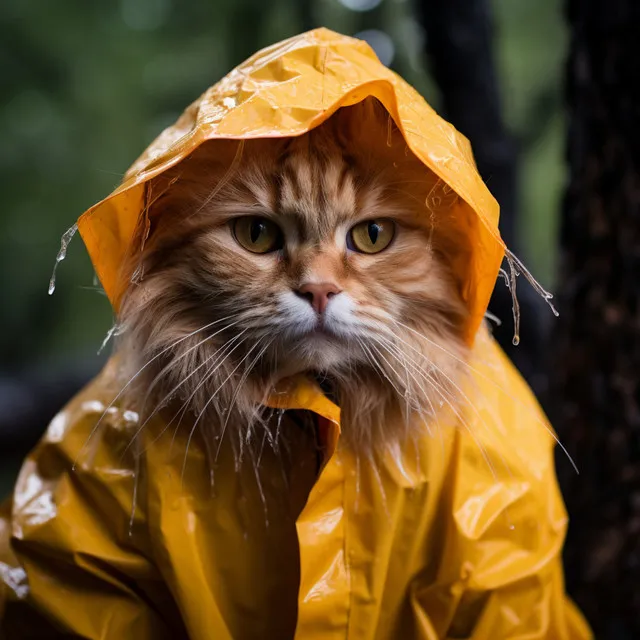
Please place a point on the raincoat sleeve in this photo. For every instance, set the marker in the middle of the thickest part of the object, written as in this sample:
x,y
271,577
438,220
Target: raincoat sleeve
x,y
68,564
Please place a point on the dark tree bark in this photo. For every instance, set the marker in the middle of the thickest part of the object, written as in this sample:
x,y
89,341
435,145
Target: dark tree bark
x,y
459,48
594,397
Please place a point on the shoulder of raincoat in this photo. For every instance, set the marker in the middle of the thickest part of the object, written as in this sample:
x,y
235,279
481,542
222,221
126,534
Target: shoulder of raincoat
x,y
110,535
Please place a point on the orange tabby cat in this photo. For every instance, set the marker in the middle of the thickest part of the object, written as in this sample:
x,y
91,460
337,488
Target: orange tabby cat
x,y
304,255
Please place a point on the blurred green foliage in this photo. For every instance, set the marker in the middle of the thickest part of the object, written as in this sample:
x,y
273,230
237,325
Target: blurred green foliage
x,y
86,85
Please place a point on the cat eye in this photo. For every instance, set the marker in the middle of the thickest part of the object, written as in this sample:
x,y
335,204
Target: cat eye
x,y
371,236
256,234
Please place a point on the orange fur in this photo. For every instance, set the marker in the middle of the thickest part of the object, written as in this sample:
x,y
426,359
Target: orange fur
x,y
315,188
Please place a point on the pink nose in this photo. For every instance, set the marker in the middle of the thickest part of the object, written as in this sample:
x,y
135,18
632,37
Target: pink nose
x,y
318,294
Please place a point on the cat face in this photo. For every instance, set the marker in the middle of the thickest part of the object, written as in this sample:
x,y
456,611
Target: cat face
x,y
308,255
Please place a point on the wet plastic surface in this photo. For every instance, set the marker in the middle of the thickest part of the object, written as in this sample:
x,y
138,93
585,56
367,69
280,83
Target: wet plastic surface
x,y
458,536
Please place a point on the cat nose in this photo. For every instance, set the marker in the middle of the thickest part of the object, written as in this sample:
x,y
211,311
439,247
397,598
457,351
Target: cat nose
x,y
318,294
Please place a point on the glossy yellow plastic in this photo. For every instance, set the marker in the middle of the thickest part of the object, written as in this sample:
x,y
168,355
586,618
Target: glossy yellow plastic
x,y
458,536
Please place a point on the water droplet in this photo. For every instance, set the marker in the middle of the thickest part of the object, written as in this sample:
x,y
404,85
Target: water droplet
x,y
510,281
116,330
516,267
62,254
131,416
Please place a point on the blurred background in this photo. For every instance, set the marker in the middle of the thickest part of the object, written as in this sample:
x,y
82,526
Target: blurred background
x,y
87,85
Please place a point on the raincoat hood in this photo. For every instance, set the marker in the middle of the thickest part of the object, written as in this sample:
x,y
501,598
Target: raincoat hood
x,y
458,535
287,90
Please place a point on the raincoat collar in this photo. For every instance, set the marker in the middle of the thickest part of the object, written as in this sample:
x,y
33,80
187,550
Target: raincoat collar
x,y
304,394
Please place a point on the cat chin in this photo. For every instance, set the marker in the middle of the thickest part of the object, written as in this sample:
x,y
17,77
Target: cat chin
x,y
318,352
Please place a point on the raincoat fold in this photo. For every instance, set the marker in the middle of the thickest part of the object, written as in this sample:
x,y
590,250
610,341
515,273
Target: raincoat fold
x,y
459,535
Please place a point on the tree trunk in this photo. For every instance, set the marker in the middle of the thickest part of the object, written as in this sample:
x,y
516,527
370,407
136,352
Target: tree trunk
x,y
594,395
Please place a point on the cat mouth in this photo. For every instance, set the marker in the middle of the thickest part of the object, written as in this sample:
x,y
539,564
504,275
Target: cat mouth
x,y
323,330
321,326
323,341
321,333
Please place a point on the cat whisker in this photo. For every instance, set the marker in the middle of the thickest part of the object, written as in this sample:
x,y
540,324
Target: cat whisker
x,y
378,368
181,412
407,416
439,390
239,387
411,401
264,438
407,393
448,398
172,363
403,361
135,375
211,399
207,375
496,385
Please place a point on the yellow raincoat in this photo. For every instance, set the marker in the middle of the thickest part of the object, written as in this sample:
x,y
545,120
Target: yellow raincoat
x,y
457,537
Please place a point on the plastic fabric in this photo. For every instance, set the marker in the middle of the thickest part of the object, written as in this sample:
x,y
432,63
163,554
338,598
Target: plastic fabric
x,y
458,536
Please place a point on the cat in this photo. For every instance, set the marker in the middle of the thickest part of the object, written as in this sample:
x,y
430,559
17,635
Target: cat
x,y
314,255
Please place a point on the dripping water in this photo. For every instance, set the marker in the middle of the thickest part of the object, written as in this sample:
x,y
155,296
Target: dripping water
x,y
516,263
510,282
114,332
516,268
62,254
276,443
